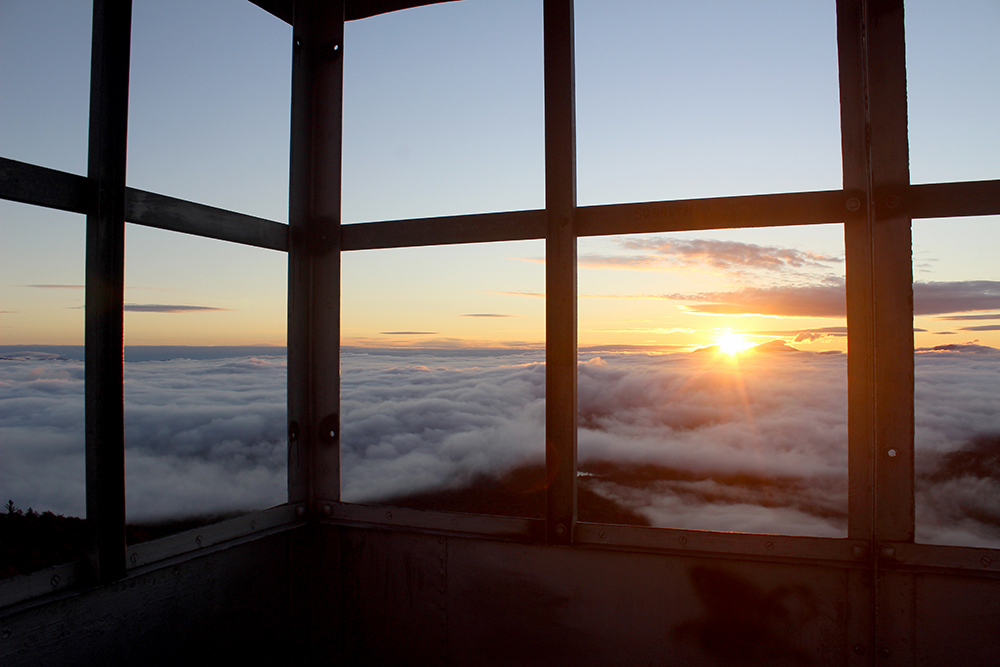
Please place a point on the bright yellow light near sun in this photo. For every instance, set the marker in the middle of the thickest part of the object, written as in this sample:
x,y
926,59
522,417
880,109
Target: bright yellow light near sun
x,y
732,343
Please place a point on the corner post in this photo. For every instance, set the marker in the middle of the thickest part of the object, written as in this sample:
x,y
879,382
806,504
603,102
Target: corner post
x,y
560,272
105,276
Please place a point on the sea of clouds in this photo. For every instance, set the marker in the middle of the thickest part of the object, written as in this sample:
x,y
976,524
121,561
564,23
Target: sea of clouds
x,y
697,440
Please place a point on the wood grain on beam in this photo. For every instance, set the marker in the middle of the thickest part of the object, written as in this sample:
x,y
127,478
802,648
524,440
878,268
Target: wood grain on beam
x,y
945,200
481,228
178,215
797,208
31,184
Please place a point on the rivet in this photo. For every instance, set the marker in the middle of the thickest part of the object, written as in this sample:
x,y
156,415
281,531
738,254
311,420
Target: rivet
x,y
986,560
6,633
884,652
134,558
603,534
859,649
197,540
388,515
327,510
859,551
682,540
768,545
560,529
853,204
441,541
54,581
892,201
253,525
300,510
891,453
887,552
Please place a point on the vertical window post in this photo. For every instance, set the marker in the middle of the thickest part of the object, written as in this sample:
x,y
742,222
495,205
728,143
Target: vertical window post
x,y
105,416
314,253
560,272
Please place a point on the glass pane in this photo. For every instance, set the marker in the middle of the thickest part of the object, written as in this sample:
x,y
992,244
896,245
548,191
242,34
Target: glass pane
x,y
42,431
443,378
953,89
45,83
209,103
443,111
956,301
700,99
713,379
205,373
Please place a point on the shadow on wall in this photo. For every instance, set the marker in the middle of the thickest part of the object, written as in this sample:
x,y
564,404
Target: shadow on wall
x,y
743,625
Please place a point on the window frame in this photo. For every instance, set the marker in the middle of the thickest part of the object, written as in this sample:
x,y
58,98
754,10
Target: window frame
x,y
876,206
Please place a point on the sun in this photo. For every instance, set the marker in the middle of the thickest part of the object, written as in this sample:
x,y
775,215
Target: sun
x,y
732,343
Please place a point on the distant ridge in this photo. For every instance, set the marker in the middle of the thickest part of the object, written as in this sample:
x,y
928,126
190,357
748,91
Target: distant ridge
x,y
148,352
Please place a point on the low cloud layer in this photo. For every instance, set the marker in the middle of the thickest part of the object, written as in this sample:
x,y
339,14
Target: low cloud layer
x,y
201,436
691,440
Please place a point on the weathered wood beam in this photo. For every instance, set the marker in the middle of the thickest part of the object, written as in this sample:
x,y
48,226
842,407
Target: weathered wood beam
x,y
353,9
314,252
560,272
178,215
105,275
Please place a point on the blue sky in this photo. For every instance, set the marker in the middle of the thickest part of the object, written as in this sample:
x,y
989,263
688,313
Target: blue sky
x,y
443,115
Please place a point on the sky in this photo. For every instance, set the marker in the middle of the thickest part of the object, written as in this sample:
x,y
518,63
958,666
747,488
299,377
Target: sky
x,y
443,115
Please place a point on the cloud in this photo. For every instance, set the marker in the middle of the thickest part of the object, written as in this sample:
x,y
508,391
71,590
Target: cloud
x,y
660,253
939,298
487,315
408,333
820,300
55,286
976,316
985,327
728,255
804,335
201,436
166,308
515,293
828,299
704,441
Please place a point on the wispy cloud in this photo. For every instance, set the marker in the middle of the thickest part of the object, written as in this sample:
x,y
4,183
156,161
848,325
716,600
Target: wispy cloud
x,y
822,300
728,255
985,327
408,333
977,316
804,335
939,298
828,299
515,293
487,315
167,308
55,286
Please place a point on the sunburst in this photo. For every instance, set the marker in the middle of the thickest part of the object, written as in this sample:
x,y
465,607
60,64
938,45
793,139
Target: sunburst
x,y
732,343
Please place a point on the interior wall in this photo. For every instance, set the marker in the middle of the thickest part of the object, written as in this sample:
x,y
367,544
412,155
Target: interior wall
x,y
215,608
413,599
